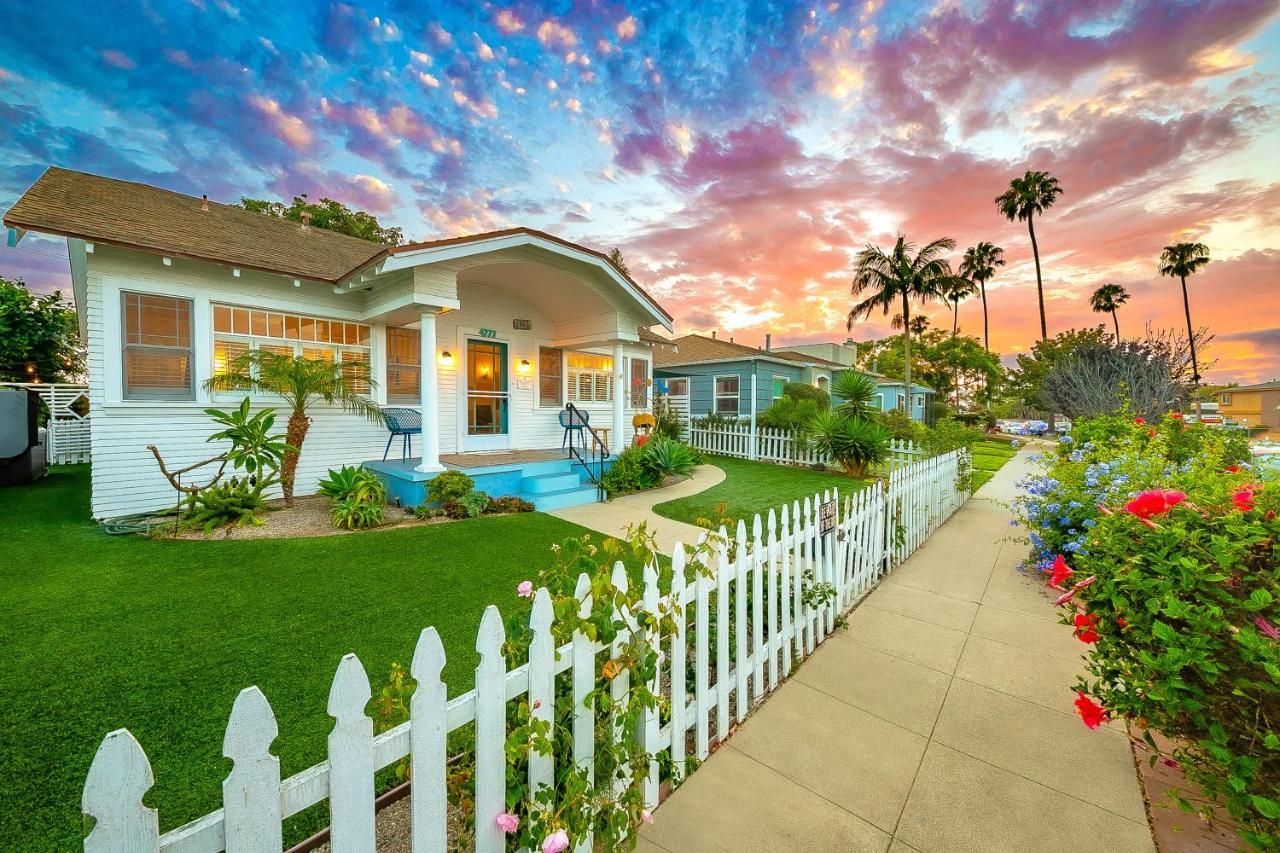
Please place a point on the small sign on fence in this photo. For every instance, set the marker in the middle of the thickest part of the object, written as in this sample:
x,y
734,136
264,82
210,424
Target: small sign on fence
x,y
827,517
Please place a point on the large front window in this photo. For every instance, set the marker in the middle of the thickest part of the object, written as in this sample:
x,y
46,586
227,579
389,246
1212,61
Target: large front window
x,y
157,347
727,395
550,377
590,378
237,330
639,383
404,355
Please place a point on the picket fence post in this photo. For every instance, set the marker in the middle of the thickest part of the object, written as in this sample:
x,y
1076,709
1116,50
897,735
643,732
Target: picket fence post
x,y
428,734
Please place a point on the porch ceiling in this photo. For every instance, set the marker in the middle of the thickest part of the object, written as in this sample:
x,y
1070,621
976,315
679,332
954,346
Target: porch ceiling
x,y
556,293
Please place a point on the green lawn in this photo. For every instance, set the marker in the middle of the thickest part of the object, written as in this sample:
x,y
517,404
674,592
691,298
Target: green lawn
x,y
104,632
753,487
988,457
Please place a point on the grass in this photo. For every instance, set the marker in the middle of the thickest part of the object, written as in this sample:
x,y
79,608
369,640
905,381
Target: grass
x,y
753,487
989,455
105,632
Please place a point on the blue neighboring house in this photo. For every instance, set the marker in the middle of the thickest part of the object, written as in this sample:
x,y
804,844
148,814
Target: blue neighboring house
x,y
704,374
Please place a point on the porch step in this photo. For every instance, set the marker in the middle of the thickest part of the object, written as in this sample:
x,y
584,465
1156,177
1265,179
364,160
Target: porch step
x,y
554,482
577,496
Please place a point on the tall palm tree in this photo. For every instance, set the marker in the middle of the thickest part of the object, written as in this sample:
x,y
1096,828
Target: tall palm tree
x,y
1182,260
302,382
980,264
919,323
956,289
1032,194
1109,297
899,275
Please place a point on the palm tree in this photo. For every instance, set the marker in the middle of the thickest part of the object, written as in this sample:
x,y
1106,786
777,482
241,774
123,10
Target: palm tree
x,y
919,323
1033,193
1109,297
980,264
1182,260
900,275
301,382
955,290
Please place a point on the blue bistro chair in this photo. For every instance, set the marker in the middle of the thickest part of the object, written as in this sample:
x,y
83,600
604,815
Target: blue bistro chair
x,y
573,421
402,422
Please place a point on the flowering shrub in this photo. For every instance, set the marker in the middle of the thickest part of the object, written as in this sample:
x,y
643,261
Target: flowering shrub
x,y
1165,546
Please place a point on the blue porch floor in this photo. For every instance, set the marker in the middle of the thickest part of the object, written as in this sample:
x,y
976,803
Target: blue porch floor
x,y
546,478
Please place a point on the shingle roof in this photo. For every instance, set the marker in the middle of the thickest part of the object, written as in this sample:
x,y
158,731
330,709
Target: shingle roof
x,y
692,349
790,355
1273,385
137,216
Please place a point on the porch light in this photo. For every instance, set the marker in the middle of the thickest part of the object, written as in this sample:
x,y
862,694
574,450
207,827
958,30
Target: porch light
x,y
524,365
446,358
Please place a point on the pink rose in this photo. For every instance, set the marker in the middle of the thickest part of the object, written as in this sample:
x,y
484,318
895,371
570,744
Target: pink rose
x,y
555,842
507,822
525,589
646,816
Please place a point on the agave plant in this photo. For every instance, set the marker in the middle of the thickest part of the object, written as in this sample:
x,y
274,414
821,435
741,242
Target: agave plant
x,y
855,391
356,482
667,457
856,443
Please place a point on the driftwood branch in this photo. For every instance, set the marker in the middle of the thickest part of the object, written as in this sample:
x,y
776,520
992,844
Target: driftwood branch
x,y
175,477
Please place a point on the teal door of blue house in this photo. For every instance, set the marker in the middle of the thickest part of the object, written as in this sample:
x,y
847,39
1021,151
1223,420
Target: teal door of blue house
x,y
488,399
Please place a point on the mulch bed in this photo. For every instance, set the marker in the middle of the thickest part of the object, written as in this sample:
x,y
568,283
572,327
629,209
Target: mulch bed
x,y
309,517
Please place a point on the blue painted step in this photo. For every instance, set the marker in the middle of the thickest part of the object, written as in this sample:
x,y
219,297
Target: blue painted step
x,y
556,482
577,496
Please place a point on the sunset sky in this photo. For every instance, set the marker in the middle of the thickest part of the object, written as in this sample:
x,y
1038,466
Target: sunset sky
x,y
739,153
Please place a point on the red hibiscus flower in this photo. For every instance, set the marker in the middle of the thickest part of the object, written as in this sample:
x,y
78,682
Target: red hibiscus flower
x,y
1061,571
1122,622
1177,416
1243,499
1091,712
1139,420
1086,627
1233,469
1154,502
1267,628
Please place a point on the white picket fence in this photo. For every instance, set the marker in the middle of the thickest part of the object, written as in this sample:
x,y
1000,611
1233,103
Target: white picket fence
x,y
67,436
874,529
779,445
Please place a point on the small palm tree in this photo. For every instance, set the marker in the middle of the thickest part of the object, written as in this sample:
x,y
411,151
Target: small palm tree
x,y
1033,193
955,290
979,265
1182,260
919,323
302,382
854,392
1109,297
899,275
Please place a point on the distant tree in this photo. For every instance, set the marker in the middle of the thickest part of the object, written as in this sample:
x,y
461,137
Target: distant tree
x,y
1109,298
1032,194
899,275
1179,261
39,336
980,264
955,290
937,360
1024,382
918,323
615,255
1099,378
330,215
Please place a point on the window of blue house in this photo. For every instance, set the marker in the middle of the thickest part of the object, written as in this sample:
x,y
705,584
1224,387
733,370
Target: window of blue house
x,y
727,395
779,385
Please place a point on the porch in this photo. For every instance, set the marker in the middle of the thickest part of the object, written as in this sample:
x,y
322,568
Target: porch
x,y
547,478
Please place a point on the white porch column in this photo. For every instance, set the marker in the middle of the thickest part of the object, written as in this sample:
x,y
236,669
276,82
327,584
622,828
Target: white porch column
x,y
620,388
430,392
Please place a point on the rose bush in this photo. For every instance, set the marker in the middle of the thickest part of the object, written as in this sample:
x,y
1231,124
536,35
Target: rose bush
x,y
1165,545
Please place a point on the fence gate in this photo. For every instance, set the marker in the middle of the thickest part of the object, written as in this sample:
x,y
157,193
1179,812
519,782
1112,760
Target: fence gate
x,y
68,428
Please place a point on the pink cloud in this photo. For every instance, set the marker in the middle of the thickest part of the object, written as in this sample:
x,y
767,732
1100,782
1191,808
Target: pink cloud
x,y
118,59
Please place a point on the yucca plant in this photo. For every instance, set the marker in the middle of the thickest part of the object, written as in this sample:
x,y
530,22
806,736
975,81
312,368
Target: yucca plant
x,y
854,391
856,443
302,382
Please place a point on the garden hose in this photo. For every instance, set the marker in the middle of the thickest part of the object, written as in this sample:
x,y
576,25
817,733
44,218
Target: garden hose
x,y
139,523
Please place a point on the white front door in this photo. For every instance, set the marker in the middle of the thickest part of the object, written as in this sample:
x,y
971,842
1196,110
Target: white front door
x,y
486,397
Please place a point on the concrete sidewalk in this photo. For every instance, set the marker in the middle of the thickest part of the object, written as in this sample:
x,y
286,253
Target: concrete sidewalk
x,y
941,721
612,517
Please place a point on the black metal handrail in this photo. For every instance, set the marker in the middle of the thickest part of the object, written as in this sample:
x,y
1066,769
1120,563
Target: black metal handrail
x,y
591,458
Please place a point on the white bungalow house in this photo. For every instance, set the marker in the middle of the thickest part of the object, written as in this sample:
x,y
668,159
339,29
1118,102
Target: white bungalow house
x,y
489,336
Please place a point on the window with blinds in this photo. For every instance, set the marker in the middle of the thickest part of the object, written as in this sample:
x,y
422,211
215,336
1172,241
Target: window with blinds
x,y
404,365
590,377
639,383
550,377
157,347
237,330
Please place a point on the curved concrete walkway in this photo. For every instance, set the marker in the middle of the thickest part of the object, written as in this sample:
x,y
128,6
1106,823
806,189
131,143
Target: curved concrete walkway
x,y
941,721
612,517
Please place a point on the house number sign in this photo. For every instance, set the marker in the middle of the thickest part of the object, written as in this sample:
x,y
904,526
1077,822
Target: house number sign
x,y
488,333
522,325
827,517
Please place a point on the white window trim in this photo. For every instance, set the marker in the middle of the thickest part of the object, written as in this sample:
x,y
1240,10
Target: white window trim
x,y
538,347
716,396
257,341
571,387
684,379
775,377
193,391
902,402
647,390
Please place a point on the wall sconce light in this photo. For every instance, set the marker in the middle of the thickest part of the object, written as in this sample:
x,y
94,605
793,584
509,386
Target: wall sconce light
x,y
524,365
446,358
